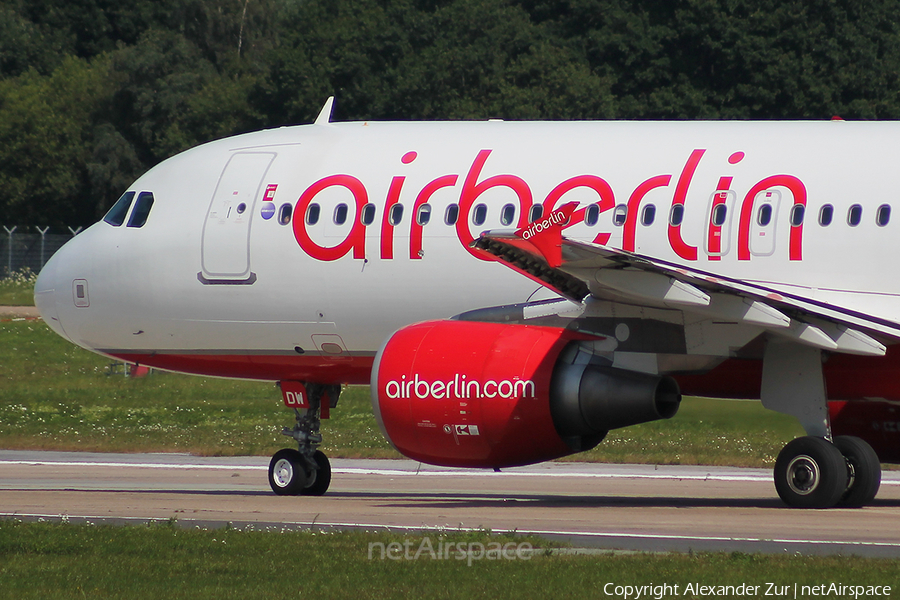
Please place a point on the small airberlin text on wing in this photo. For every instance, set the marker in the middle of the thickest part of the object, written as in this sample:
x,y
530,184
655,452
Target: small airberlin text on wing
x,y
459,387
555,218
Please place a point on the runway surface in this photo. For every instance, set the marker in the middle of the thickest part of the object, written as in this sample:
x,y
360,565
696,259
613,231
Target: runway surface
x,y
630,507
19,312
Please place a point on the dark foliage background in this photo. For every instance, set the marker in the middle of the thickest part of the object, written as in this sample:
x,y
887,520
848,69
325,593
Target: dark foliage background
x,y
94,92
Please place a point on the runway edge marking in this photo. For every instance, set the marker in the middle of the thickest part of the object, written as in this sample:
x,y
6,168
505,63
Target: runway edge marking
x,y
755,477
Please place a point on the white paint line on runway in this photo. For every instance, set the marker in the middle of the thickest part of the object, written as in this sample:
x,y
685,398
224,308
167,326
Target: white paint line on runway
x,y
51,463
400,473
712,476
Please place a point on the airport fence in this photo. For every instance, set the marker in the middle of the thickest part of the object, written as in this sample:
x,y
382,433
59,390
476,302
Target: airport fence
x,y
21,249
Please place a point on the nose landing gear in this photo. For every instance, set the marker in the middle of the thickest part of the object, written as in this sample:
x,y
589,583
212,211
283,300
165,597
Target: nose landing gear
x,y
305,471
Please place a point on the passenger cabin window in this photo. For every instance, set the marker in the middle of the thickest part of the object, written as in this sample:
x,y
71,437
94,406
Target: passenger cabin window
x,y
719,213
676,215
535,212
764,215
396,214
479,215
368,214
620,214
507,214
452,214
312,214
116,214
797,214
883,216
648,215
340,214
285,213
826,215
854,215
141,210
592,215
423,214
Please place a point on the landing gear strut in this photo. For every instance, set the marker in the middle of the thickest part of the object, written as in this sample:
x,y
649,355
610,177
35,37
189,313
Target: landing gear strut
x,y
305,471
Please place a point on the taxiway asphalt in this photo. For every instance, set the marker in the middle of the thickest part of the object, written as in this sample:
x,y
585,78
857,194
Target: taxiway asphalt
x,y
628,507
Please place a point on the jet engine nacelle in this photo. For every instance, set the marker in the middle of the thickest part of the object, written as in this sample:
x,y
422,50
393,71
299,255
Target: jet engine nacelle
x,y
472,394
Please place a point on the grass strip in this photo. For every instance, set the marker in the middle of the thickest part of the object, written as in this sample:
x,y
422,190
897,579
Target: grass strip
x,y
17,288
56,396
49,561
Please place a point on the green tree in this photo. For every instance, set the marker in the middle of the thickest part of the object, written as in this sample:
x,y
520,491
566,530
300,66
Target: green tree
x,y
23,45
167,98
45,137
155,79
475,59
408,60
761,59
94,92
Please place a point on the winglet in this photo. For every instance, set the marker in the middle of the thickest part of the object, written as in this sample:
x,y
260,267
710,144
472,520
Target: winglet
x,y
546,234
324,117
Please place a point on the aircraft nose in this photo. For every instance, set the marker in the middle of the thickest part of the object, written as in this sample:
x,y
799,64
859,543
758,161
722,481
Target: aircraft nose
x,y
46,291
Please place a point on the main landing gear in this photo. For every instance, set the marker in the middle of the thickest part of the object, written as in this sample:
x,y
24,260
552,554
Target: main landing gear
x,y
305,471
813,471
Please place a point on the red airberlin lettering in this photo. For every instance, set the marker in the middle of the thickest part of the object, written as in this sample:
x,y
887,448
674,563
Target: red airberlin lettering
x,y
355,240
415,233
797,189
714,237
634,206
678,244
472,189
387,229
473,186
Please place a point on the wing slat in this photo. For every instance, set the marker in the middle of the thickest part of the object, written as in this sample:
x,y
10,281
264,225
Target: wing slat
x,y
607,273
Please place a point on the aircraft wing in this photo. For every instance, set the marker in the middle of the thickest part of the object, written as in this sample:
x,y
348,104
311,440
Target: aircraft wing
x,y
582,270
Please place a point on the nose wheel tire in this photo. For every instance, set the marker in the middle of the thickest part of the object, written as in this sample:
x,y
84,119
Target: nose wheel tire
x,y
290,474
320,478
865,471
287,473
811,473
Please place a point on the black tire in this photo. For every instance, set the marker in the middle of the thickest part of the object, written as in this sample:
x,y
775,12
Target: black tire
x,y
866,475
320,479
287,472
811,473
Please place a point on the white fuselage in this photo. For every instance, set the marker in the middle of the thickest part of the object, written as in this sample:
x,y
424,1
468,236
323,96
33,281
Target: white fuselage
x,y
200,279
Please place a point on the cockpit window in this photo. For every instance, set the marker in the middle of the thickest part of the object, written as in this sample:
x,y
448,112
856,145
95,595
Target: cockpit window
x,y
116,215
141,210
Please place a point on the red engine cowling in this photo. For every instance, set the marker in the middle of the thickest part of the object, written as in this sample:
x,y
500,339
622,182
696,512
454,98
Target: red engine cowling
x,y
474,394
